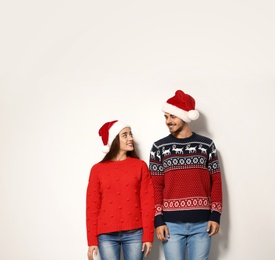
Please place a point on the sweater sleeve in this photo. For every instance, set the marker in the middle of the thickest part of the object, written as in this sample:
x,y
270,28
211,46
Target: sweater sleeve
x,y
157,175
147,205
216,185
93,201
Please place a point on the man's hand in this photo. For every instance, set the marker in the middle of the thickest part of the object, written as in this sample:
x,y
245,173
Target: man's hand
x,y
213,228
162,233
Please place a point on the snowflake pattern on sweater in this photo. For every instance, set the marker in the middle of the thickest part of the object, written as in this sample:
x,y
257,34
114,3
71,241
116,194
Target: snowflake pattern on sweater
x,y
187,179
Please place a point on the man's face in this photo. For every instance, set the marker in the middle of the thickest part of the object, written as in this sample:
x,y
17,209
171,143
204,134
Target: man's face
x,y
175,124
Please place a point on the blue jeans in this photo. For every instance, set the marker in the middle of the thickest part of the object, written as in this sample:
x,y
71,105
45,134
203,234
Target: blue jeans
x,y
190,236
131,242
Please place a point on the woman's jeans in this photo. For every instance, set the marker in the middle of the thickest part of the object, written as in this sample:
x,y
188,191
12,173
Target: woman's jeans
x,y
111,243
190,236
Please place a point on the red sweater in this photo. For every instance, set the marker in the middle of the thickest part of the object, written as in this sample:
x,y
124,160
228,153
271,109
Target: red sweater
x,y
120,197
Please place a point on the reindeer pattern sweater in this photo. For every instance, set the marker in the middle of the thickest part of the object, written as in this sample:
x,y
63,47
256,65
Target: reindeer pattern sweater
x,y
120,197
187,179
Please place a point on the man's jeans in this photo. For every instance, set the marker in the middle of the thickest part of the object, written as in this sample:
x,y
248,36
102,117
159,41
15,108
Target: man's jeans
x,y
130,241
192,237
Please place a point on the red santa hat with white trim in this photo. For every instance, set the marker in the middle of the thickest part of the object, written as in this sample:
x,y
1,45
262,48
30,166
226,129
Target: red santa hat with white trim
x,y
182,106
108,133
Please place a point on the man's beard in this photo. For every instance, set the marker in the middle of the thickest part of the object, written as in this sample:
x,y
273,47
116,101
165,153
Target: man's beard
x,y
178,130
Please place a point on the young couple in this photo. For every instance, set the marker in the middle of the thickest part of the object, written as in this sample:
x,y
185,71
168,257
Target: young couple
x,y
180,194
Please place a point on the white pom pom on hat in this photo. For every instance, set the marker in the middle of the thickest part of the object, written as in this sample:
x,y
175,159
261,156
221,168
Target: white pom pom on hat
x,y
182,106
193,114
108,133
105,149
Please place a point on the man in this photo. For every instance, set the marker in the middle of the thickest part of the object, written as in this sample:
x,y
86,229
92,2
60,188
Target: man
x,y
187,184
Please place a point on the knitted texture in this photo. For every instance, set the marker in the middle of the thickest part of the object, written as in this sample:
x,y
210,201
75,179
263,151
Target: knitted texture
x,y
120,197
187,179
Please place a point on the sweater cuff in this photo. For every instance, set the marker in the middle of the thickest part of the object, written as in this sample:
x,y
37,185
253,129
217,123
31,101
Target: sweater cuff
x,y
215,216
159,221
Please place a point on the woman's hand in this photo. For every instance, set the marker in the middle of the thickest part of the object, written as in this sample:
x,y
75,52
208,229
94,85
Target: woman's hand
x,y
146,248
92,250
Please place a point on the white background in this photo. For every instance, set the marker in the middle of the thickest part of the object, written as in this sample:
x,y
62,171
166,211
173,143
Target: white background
x,y
67,67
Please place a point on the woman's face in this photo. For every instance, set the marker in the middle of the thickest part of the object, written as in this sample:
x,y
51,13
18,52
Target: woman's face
x,y
126,141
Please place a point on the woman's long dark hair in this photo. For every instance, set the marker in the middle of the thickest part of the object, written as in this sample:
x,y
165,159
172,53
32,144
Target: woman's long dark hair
x,y
114,149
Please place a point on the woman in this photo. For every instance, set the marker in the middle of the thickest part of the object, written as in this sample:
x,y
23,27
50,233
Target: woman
x,y
120,201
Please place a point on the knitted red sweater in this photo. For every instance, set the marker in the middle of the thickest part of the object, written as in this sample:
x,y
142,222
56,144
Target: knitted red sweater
x,y
187,180
120,197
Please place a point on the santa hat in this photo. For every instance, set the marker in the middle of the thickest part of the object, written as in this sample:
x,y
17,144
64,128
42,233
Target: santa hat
x,y
108,133
182,106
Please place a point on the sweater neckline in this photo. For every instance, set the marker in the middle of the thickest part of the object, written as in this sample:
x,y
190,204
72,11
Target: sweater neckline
x,y
121,161
184,139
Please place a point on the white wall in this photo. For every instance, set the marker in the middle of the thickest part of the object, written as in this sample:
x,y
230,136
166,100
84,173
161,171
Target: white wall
x,y
66,67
